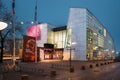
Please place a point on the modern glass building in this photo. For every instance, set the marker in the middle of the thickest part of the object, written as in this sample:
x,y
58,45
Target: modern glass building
x,y
93,41
84,35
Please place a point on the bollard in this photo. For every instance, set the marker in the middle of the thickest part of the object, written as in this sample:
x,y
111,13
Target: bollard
x,y
97,65
71,69
91,66
25,77
53,73
83,68
101,64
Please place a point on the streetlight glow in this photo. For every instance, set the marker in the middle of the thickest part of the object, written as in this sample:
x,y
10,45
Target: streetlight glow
x,y
3,25
73,43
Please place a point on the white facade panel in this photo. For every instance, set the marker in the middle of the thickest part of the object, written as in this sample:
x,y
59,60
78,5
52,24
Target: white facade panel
x,y
44,32
77,23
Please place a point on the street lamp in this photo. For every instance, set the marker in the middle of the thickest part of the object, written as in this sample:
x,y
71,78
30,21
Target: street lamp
x,y
3,25
71,68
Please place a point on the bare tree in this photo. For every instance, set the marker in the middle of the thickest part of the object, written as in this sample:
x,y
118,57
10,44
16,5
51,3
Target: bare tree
x,y
7,33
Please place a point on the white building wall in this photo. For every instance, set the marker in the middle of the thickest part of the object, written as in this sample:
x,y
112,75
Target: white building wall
x,y
44,32
77,23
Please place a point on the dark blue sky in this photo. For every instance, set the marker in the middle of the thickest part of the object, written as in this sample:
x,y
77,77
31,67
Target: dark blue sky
x,y
56,12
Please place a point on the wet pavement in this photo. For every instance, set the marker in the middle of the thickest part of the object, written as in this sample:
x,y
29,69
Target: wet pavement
x,y
60,71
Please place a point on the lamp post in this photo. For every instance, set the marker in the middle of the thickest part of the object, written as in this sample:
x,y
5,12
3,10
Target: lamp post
x,y
71,68
3,25
36,23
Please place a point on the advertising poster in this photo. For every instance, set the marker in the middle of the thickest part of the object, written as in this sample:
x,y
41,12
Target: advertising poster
x,y
29,44
34,31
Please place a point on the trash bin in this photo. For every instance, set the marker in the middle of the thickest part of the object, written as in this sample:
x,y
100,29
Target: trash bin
x,y
25,77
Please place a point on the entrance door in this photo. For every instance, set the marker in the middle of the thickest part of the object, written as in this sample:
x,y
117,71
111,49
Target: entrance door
x,y
48,54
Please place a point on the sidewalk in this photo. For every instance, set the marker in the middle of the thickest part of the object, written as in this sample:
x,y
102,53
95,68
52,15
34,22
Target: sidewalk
x,y
42,70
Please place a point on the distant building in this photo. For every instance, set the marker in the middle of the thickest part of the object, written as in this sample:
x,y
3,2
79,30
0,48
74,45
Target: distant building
x,y
93,41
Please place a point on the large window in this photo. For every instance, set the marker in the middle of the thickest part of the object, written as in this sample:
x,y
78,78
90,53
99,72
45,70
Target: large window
x,y
59,38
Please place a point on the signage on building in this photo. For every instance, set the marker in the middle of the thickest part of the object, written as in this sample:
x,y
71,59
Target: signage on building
x,y
29,48
34,31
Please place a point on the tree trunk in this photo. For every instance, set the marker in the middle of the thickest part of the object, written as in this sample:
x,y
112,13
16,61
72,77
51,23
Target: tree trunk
x,y
1,54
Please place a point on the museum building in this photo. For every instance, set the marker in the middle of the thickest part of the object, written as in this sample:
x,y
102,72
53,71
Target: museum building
x,y
84,38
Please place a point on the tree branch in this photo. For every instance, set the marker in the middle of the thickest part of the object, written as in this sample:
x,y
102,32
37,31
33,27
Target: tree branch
x,y
6,34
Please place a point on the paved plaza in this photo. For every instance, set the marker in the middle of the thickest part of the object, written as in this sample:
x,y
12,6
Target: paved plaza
x,y
59,70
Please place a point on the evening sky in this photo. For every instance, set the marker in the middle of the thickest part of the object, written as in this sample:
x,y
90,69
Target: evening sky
x,y
56,12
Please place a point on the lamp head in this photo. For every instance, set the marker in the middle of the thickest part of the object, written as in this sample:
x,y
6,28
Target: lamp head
x,y
3,25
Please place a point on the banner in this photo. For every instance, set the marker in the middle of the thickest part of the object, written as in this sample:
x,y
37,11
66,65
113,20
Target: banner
x,y
34,31
29,44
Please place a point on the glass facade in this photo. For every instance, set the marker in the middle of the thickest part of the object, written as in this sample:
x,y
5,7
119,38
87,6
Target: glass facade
x,y
101,46
59,39
92,38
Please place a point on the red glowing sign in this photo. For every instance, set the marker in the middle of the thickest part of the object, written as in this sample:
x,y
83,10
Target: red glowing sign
x,y
29,48
34,31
